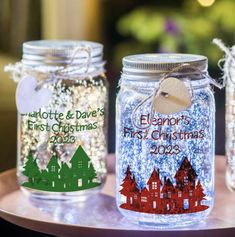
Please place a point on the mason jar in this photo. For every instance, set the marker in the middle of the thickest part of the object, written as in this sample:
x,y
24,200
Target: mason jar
x,y
165,136
61,99
229,71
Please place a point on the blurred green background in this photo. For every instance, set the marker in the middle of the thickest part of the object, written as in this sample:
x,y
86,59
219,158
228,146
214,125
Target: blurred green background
x,y
124,27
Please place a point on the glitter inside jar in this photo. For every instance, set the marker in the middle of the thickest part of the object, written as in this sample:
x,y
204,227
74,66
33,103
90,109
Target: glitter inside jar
x,y
229,119
62,103
227,65
165,162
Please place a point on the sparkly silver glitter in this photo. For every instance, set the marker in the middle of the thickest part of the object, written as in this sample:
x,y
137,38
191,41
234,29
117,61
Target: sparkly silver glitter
x,y
192,137
86,95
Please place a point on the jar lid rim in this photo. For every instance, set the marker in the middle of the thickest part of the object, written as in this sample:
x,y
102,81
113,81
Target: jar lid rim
x,y
59,52
162,62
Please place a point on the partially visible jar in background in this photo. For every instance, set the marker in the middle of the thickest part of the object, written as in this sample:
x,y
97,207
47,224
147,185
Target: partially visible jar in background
x,y
62,98
230,121
227,64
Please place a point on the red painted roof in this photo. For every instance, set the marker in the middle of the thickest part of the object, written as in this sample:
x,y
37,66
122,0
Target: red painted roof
x,y
168,186
186,168
154,177
144,192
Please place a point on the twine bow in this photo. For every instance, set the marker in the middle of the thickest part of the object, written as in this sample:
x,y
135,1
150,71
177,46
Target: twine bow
x,y
192,70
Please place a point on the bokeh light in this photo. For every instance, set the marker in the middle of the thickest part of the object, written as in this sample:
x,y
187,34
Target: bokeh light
x,y
206,3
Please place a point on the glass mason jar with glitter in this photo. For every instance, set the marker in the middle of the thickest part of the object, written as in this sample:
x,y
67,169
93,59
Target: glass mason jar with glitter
x,y
229,73
165,133
227,65
61,99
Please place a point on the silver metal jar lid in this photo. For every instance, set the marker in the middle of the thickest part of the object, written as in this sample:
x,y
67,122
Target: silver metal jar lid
x,y
60,52
152,64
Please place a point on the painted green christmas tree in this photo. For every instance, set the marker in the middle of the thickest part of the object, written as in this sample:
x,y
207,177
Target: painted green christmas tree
x,y
80,174
31,170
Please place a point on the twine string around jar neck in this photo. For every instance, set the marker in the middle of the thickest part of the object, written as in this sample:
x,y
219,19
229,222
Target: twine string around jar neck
x,y
70,71
192,71
226,63
69,68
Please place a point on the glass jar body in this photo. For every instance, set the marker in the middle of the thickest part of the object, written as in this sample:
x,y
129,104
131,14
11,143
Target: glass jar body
x,y
165,170
230,130
62,146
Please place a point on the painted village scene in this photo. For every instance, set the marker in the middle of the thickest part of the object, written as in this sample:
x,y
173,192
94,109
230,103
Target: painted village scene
x,y
186,196
79,174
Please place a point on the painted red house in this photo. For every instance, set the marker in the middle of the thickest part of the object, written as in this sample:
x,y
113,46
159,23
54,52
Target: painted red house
x,y
168,195
185,196
145,199
154,188
135,194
